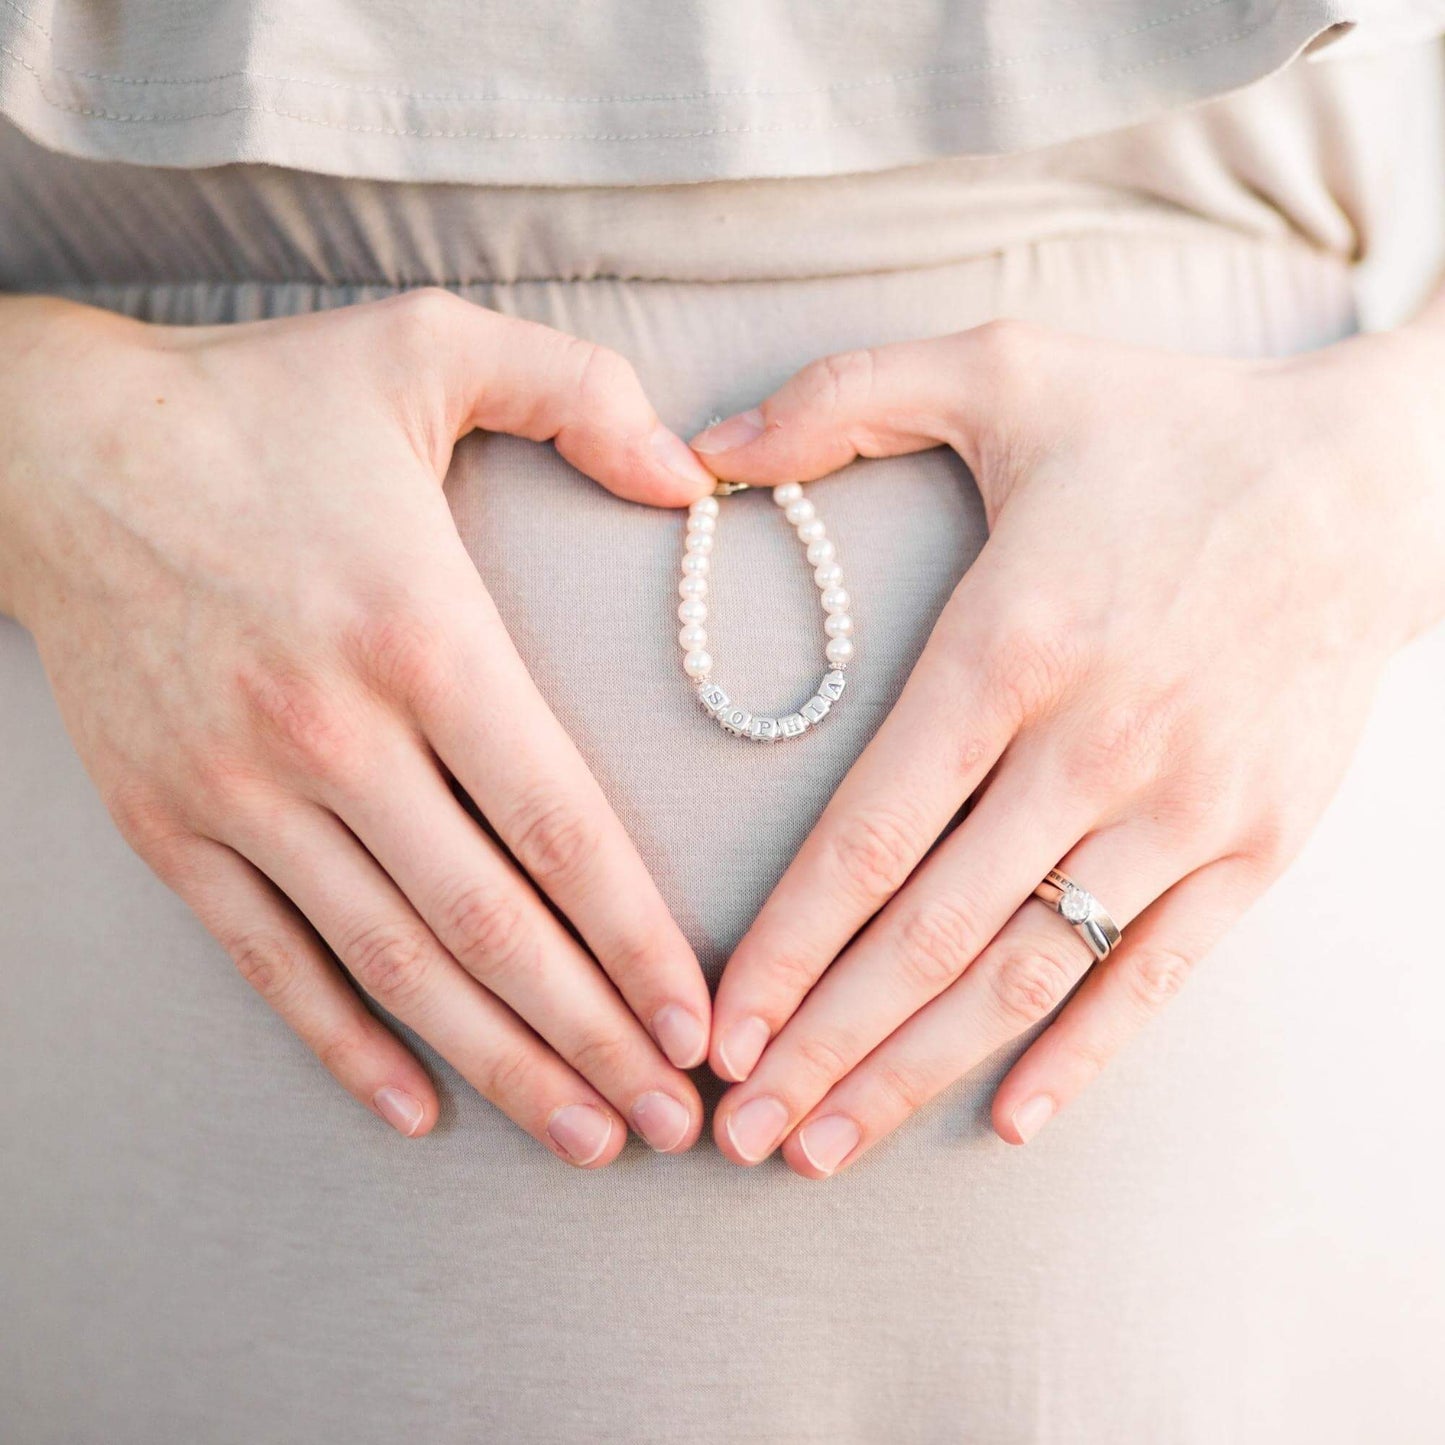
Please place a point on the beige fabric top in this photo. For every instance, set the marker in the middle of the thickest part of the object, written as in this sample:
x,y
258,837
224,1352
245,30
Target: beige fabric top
x,y
1346,159
631,92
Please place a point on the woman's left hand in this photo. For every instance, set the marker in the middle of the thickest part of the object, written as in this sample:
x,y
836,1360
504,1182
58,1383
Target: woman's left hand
x,y
1152,677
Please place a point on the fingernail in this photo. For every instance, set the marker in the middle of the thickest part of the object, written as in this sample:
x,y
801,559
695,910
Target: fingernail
x,y
399,1109
681,1034
742,1045
580,1132
756,1127
677,457
828,1141
736,431
661,1120
1032,1115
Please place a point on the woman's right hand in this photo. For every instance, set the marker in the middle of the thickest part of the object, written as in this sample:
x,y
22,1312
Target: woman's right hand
x,y
274,654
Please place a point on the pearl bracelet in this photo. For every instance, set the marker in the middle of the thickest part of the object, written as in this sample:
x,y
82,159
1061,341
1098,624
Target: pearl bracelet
x,y
702,519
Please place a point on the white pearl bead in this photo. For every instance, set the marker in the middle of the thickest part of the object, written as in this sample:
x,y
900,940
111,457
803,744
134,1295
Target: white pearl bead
x,y
692,611
835,599
696,565
830,574
692,587
704,507
813,531
800,511
699,664
839,624
787,493
699,543
701,522
821,551
838,651
692,638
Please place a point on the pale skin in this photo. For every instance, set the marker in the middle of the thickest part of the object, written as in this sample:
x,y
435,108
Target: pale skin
x,y
275,657
1153,676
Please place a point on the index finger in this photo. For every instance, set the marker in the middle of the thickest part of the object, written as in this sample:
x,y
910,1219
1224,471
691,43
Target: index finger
x,y
948,729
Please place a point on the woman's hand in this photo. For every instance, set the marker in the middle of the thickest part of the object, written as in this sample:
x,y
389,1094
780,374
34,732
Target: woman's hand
x,y
274,656
1152,677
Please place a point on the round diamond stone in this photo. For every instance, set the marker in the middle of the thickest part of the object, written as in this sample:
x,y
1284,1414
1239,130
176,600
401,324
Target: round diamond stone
x,y
1076,905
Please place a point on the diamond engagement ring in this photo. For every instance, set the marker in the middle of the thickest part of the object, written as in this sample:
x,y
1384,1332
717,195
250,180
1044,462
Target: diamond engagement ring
x,y
1078,907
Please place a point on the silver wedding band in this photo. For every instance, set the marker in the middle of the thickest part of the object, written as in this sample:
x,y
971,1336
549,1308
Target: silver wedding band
x,y
1082,911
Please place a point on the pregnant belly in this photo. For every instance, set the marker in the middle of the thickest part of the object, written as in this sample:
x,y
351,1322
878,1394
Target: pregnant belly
x,y
204,1240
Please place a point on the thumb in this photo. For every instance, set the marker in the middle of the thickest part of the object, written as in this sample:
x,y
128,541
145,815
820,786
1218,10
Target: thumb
x,y
877,401
504,374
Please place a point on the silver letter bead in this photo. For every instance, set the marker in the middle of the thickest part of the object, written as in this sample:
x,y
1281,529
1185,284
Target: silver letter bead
x,y
832,686
713,698
764,730
735,720
792,726
815,709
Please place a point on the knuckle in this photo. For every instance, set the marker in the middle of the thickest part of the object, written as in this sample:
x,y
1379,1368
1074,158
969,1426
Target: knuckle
x,y
1087,1054
939,941
603,1056
221,785
1271,842
790,972
295,713
1119,749
1028,982
508,1077
269,966
902,1087
553,841
601,374
1033,661
1156,975
1007,344
421,314
400,651
873,853
634,955
841,381
392,962
486,929
824,1056
344,1055
146,819
1194,806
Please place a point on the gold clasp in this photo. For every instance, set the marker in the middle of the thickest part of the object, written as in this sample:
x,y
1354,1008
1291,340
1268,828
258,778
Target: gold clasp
x,y
726,489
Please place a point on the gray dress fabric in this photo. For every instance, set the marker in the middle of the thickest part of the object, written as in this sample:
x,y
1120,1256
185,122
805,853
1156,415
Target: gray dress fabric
x,y
1232,1237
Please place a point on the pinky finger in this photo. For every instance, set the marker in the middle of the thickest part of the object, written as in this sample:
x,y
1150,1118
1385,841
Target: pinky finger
x,y
279,955
1119,996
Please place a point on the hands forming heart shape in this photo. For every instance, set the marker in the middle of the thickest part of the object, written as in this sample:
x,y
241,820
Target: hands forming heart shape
x,y
275,659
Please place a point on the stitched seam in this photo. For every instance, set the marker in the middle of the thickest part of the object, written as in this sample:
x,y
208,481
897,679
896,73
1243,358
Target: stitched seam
x,y
856,123
1001,63
1175,231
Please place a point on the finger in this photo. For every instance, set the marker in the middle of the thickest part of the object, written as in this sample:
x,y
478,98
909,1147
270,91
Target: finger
x,y
896,800
1017,981
396,959
871,402
492,922
1119,998
502,373
280,957
924,940
515,761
